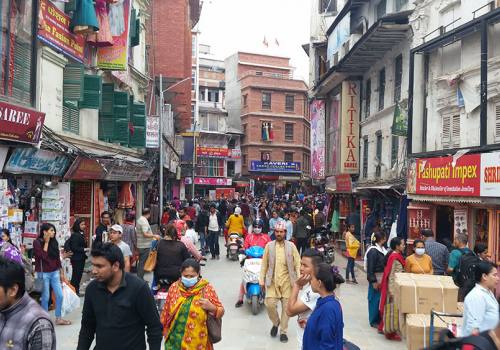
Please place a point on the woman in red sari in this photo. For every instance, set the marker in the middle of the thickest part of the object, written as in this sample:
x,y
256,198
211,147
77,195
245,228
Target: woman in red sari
x,y
389,324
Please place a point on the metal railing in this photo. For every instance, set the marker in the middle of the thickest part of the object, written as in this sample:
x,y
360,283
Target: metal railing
x,y
256,73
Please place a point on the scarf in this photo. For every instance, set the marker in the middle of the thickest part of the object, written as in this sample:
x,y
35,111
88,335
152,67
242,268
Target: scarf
x,y
375,246
384,286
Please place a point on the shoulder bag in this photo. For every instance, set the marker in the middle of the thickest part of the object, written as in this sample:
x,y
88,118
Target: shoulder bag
x,y
214,326
150,263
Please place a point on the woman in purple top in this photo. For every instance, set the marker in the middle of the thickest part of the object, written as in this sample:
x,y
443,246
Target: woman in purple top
x,y
48,265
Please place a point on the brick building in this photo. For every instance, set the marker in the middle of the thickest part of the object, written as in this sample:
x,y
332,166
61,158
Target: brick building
x,y
270,108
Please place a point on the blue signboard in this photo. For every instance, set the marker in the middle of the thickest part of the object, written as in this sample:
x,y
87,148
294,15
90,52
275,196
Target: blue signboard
x,y
36,161
275,167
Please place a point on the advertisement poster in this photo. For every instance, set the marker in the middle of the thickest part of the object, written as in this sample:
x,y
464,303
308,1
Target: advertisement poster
x,y
35,161
460,221
116,57
333,135
53,30
490,174
275,167
227,193
20,124
214,181
419,217
317,139
152,132
349,137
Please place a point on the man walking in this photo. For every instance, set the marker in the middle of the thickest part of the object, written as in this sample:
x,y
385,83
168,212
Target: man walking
x,y
144,238
24,325
213,232
118,306
115,236
437,251
301,231
280,269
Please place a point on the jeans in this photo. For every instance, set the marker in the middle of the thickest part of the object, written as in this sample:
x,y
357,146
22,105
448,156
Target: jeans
x,y
203,243
213,243
373,303
302,245
143,256
76,276
52,279
350,269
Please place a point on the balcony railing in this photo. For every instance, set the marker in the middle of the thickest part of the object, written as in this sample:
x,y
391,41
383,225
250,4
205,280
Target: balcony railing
x,y
256,73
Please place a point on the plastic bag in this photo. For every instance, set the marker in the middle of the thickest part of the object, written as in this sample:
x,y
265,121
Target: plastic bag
x,y
71,301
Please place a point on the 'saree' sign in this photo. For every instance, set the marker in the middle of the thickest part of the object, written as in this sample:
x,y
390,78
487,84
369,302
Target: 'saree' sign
x,y
349,138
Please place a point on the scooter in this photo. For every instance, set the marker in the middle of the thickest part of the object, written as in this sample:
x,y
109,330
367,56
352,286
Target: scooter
x,y
233,246
251,272
160,291
323,244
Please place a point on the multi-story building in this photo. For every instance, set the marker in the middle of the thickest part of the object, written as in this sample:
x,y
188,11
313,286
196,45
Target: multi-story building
x,y
454,121
270,108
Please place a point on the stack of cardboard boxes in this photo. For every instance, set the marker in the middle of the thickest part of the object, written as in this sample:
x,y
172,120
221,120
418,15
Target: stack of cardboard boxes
x,y
416,295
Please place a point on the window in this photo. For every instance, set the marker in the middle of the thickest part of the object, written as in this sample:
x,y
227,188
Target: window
x,y
258,73
365,157
266,100
326,6
381,9
368,94
230,169
378,159
16,50
400,4
213,122
193,78
307,136
289,103
244,159
451,131
244,100
267,131
288,156
398,77
231,144
394,150
306,160
210,167
288,132
193,45
265,156
381,89
213,95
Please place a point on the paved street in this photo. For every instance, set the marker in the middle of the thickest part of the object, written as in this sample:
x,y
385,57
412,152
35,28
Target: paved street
x,y
242,330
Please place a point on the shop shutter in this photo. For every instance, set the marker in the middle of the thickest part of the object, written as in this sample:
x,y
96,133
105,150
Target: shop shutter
x,y
71,117
135,28
92,92
70,6
497,122
138,138
107,99
106,128
446,131
121,105
138,115
455,131
21,89
73,82
121,132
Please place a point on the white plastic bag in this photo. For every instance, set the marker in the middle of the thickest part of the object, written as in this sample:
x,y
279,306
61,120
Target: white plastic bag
x,y
71,301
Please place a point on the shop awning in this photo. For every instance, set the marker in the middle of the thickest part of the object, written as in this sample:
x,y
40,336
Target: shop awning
x,y
373,187
444,199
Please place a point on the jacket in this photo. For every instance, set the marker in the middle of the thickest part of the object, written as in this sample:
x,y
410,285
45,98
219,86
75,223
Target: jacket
x,y
300,230
77,246
235,224
290,263
352,245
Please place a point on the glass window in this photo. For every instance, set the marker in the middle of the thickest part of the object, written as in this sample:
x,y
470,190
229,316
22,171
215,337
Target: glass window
x,y
288,132
210,167
378,167
326,6
265,156
306,160
394,150
289,103
266,100
365,157
213,95
288,156
231,144
381,9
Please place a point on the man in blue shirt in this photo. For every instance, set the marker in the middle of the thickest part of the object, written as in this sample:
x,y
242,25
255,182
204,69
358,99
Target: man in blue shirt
x,y
460,243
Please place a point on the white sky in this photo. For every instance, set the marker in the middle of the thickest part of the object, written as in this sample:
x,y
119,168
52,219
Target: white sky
x,y
229,26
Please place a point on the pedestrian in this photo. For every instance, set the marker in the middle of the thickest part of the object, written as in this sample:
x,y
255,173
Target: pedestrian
x,y
319,219
289,225
301,232
352,247
129,235
461,249
202,228
370,224
438,252
77,247
144,237
389,323
190,301
115,237
245,212
275,218
48,266
101,231
480,305
6,237
325,326
280,269
374,267
302,299
213,232
481,250
24,325
419,262
8,250
171,253
190,232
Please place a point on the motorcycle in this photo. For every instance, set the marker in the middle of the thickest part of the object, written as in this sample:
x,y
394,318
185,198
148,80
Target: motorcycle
x,y
251,272
160,292
322,242
234,244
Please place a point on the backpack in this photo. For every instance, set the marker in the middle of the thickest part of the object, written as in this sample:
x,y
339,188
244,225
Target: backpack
x,y
447,341
464,273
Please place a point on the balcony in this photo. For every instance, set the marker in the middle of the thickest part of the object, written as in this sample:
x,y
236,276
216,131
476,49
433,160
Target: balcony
x,y
256,73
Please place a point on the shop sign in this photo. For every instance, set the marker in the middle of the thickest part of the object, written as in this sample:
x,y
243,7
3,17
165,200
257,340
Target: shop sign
x,y
490,174
211,181
275,167
126,172
419,217
235,153
153,132
20,124
341,183
317,112
85,169
349,136
213,152
53,29
116,57
227,193
36,161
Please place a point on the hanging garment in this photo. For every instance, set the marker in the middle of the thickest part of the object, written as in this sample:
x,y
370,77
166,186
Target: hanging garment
x,y
126,198
102,38
84,19
117,18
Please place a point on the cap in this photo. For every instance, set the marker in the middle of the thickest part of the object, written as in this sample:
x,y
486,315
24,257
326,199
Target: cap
x,y
117,228
280,226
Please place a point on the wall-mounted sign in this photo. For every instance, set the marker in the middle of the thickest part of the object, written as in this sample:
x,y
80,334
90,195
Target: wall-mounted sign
x,y
317,109
419,217
36,161
213,152
53,29
152,132
212,181
235,153
490,174
85,169
20,124
349,137
341,183
275,167
125,172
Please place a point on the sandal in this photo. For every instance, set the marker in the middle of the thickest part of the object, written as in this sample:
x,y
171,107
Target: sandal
x,y
61,322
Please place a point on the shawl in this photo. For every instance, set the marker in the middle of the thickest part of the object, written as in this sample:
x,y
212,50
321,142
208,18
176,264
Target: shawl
x,y
385,279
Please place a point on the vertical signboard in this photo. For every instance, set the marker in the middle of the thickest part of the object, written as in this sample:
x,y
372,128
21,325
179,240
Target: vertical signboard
x,y
333,135
349,138
152,132
318,139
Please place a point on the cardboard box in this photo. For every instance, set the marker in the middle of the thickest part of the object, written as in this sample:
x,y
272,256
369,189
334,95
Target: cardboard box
x,y
419,294
418,329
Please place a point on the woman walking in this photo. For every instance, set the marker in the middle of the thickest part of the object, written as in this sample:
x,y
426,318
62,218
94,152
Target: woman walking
x,y
419,262
48,265
77,246
171,253
374,267
389,324
189,303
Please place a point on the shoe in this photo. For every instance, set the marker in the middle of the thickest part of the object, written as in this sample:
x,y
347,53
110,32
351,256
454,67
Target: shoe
x,y
238,303
354,281
274,331
283,338
218,257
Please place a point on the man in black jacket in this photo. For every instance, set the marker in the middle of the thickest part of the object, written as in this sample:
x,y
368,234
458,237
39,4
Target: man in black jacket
x,y
202,228
118,306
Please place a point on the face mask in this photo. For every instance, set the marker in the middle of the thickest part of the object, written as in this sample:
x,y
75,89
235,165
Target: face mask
x,y
257,230
189,282
420,251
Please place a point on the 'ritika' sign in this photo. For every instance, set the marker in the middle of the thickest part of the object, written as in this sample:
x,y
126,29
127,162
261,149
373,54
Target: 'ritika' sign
x,y
349,137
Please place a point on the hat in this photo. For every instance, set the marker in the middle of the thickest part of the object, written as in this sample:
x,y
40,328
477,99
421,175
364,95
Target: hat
x,y
237,210
117,228
280,225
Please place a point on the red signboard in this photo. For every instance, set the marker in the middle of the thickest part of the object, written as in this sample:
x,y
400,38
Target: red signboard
x,y
20,124
445,177
228,193
343,183
214,181
53,29
214,152
85,169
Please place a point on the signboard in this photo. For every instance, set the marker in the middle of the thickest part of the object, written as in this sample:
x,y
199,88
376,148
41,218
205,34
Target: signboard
x,y
275,167
333,135
53,29
36,161
126,172
85,169
228,193
460,221
349,138
490,174
235,153
116,57
152,132
341,183
213,181
317,110
213,152
20,124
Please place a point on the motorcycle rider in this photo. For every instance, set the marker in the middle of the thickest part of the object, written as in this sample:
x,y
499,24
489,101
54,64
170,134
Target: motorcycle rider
x,y
255,238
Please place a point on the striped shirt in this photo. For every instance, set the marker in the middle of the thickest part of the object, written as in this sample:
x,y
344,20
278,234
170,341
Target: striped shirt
x,y
439,255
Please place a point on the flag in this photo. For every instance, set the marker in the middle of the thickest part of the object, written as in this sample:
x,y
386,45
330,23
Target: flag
x,y
131,128
264,42
277,42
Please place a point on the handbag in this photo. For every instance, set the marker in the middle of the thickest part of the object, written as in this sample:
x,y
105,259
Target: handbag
x,y
150,263
391,318
214,326
38,285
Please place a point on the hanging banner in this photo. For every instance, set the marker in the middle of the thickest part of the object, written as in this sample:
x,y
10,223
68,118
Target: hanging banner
x,y
460,221
400,121
20,124
36,161
152,132
116,57
332,142
53,30
317,110
349,139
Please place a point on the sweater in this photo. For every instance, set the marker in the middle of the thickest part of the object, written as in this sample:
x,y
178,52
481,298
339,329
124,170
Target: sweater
x,y
325,327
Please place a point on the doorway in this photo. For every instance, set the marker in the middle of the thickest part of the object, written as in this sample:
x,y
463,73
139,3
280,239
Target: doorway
x,y
444,224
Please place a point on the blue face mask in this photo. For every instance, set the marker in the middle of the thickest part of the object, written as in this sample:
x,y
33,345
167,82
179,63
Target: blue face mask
x,y
189,282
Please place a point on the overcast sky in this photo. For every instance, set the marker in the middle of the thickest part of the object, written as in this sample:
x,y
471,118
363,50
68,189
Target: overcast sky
x,y
229,26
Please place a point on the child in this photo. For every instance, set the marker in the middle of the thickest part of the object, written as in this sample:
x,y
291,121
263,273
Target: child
x,y
190,232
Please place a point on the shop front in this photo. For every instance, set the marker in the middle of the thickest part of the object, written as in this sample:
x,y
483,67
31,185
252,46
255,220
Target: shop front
x,y
457,196
342,202
276,178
